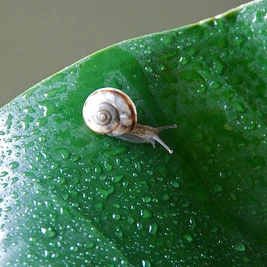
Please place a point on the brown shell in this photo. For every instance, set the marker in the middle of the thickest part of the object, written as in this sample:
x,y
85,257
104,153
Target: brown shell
x,y
109,111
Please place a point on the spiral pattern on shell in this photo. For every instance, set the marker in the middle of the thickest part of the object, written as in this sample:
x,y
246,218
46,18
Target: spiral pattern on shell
x,y
109,111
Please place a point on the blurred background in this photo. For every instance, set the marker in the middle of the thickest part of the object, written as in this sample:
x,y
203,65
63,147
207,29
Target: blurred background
x,y
39,38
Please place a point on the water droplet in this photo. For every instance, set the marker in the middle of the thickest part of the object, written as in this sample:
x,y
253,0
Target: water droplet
x,y
149,69
47,107
74,248
90,245
130,220
150,172
146,199
239,247
9,121
14,165
202,88
146,214
42,138
108,166
161,67
175,184
14,195
41,122
49,232
146,263
105,193
153,228
239,107
14,180
26,122
3,174
217,188
218,66
64,153
116,216
192,224
137,166
119,233
188,238
117,178
29,109
54,91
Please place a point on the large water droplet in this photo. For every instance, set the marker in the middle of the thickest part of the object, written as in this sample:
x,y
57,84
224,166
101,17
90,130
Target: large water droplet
x,y
153,228
146,263
14,165
116,216
146,214
26,122
49,232
239,247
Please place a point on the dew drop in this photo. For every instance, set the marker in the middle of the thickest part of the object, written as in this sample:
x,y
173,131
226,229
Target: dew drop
x,y
153,228
117,178
42,122
149,69
49,232
15,195
119,233
106,192
175,184
74,248
146,263
3,174
130,220
9,121
150,172
217,188
239,247
202,88
137,166
188,238
26,122
90,245
48,108
116,216
192,224
108,166
64,153
239,107
146,199
161,67
146,214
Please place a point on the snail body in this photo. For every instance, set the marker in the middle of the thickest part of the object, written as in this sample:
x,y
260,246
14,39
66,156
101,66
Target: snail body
x,y
110,111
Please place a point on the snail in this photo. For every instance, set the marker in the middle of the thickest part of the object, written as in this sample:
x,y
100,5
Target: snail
x,y
110,111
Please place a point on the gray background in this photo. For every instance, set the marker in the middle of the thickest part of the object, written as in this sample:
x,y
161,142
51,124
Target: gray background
x,y
39,37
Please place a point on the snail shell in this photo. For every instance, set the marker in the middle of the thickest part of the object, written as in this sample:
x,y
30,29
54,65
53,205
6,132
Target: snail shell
x,y
112,112
109,111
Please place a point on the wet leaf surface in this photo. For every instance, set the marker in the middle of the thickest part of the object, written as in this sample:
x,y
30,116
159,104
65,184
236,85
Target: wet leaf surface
x,y
72,197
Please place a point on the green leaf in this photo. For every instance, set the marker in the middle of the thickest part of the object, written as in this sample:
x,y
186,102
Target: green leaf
x,y
72,197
